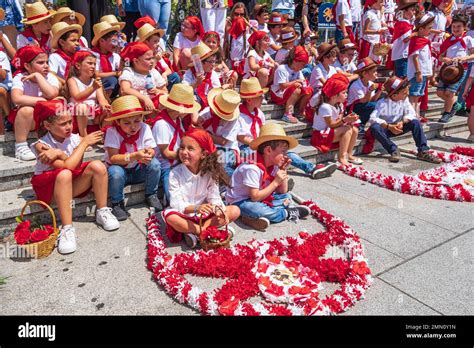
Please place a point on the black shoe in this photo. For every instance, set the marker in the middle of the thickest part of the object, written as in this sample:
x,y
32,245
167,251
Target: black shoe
x,y
154,202
395,156
462,112
291,184
445,117
321,171
118,209
297,212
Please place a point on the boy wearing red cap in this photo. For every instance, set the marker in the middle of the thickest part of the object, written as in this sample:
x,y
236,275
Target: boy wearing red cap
x,y
60,174
290,88
32,83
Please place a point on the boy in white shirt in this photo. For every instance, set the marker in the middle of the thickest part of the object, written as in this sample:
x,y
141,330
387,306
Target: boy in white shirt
x,y
402,33
393,116
457,48
343,17
345,58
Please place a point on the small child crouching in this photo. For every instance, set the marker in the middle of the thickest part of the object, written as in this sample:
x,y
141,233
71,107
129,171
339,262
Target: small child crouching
x,y
129,153
260,188
60,175
194,190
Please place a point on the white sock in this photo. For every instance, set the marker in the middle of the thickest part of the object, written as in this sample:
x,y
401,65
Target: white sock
x,y
20,145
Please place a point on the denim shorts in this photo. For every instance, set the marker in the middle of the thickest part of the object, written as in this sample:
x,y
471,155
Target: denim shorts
x,y
401,66
454,87
417,89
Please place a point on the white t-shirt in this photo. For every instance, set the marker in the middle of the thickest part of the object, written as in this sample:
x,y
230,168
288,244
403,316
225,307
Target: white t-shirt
x,y
388,111
5,65
189,78
57,64
114,61
356,10
457,51
439,23
281,55
237,51
375,23
226,129
273,41
22,41
284,74
245,124
283,4
67,146
389,6
163,134
138,80
350,67
30,88
113,140
181,42
246,177
425,61
84,41
343,8
320,72
91,99
357,90
400,48
265,61
325,110
263,27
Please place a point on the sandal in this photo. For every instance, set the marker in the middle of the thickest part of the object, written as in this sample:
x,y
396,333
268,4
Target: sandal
x,y
356,161
428,157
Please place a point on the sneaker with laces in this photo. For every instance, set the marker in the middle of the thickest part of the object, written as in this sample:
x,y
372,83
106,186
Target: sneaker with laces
x,y
323,171
289,118
118,209
24,153
395,156
154,202
259,224
191,240
297,212
106,219
446,117
67,240
428,157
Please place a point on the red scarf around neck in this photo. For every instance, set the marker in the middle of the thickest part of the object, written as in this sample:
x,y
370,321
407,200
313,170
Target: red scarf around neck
x,y
237,28
267,178
417,43
28,33
255,119
176,125
213,122
127,139
202,89
68,60
105,65
450,42
401,28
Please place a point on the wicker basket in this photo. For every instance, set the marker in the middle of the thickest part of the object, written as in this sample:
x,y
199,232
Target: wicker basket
x,y
208,245
381,49
44,248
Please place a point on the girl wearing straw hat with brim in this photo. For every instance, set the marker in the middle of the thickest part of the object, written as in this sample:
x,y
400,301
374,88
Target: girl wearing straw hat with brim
x,y
220,120
168,127
130,154
65,40
38,27
108,62
260,187
65,14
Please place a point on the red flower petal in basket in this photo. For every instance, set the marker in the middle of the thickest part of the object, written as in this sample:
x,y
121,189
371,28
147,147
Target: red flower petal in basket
x,y
39,235
228,307
22,232
360,268
273,259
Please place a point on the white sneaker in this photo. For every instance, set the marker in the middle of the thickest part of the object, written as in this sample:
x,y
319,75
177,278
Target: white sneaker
x,y
67,240
24,153
106,219
471,138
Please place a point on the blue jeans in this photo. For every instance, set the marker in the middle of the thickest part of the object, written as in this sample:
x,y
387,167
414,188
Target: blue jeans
x,y
172,80
417,89
120,176
401,66
159,10
165,182
307,70
111,83
227,158
383,136
298,162
364,110
256,210
453,88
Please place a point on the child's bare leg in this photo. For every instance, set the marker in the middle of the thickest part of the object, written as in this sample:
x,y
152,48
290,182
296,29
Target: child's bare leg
x,y
63,196
232,212
350,150
290,103
449,101
184,59
4,101
81,117
182,225
94,175
343,135
24,123
302,104
262,76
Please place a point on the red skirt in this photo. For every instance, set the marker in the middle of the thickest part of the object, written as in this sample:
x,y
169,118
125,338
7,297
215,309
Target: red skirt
x,y
470,98
94,110
238,67
324,141
173,235
287,94
364,49
12,115
309,113
43,184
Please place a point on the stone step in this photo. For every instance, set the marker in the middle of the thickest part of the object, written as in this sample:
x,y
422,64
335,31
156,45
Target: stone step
x,y
14,198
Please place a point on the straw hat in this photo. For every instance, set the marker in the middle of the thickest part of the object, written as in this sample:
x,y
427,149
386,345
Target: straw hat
x,y
181,99
324,49
225,103
272,131
403,4
35,13
203,51
126,106
365,64
61,28
288,34
251,88
345,44
147,30
451,73
101,29
395,84
64,12
112,20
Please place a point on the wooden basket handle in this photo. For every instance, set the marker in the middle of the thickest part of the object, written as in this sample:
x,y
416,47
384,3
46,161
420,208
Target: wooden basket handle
x,y
44,205
215,208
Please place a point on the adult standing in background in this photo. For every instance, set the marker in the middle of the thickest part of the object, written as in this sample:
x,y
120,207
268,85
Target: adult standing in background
x,y
213,15
93,10
356,14
159,10
129,12
11,24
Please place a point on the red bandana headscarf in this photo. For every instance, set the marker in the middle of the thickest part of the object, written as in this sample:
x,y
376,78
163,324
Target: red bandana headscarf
x,y
45,109
202,138
25,55
197,24
256,36
334,86
78,57
301,55
134,50
142,20
214,34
